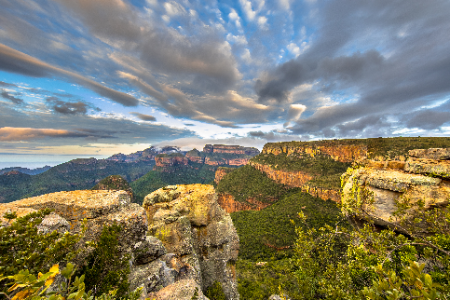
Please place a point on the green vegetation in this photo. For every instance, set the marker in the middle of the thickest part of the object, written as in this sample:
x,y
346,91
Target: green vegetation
x,y
247,182
74,175
215,292
153,180
326,182
270,233
269,236
106,269
25,252
113,182
319,165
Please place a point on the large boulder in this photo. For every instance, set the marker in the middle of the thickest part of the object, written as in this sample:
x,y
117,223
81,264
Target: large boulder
x,y
200,234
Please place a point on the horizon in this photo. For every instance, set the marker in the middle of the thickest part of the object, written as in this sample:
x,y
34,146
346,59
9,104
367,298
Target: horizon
x,y
95,78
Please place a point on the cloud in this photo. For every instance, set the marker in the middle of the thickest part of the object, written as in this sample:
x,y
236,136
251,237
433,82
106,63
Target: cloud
x,y
427,119
13,99
15,61
204,56
6,84
144,117
373,58
8,134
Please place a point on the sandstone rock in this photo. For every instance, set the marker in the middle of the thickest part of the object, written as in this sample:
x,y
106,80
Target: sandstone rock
x,y
229,204
432,153
288,178
379,189
200,233
220,173
181,290
232,149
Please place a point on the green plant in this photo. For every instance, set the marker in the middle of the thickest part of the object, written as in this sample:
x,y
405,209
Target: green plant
x,y
106,269
215,292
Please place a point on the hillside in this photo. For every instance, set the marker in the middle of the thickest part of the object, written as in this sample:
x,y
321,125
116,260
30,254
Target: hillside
x,y
25,170
73,175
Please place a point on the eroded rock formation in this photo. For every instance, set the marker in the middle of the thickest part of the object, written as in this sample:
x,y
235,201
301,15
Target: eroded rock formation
x,y
380,185
192,225
194,242
230,205
288,178
340,152
232,149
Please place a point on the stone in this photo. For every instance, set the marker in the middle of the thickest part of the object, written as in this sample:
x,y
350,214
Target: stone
x,y
199,234
431,153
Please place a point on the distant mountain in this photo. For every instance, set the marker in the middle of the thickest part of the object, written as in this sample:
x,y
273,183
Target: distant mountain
x,y
77,174
25,170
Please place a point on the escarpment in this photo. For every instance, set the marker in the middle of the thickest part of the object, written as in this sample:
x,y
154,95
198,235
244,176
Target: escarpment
x,y
180,243
376,188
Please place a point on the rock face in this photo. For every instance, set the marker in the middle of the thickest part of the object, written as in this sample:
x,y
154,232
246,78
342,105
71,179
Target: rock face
x,y
324,194
423,177
200,234
289,178
339,152
199,243
232,149
230,205
171,160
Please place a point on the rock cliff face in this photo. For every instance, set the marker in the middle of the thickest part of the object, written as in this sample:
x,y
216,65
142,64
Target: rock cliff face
x,y
289,178
170,160
324,194
232,149
423,177
197,242
230,205
191,224
338,152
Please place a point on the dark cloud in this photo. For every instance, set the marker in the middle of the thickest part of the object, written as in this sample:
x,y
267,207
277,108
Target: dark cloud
x,y
9,97
403,62
144,117
189,124
69,108
17,62
6,84
273,136
427,119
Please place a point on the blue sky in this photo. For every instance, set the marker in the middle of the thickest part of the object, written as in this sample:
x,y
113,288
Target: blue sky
x,y
96,77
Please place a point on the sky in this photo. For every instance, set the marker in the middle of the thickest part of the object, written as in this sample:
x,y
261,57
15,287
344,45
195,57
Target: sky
x,y
91,78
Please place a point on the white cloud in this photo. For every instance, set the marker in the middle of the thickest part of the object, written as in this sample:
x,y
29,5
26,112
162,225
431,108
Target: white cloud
x,y
262,21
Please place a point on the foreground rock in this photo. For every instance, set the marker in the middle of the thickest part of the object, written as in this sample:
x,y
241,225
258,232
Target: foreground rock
x,y
199,233
158,271
380,185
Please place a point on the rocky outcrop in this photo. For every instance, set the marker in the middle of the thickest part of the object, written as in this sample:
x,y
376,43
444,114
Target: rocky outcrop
x,y
230,205
193,244
163,161
215,161
231,149
324,194
191,224
289,178
378,186
343,152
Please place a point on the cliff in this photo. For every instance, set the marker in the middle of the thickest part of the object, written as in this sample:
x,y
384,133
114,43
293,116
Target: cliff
x,y
230,205
170,160
220,173
377,187
288,178
193,244
191,224
339,150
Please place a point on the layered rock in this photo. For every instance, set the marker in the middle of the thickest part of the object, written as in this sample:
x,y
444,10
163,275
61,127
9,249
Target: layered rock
x,y
191,224
379,186
231,149
322,193
345,152
230,205
289,178
164,161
